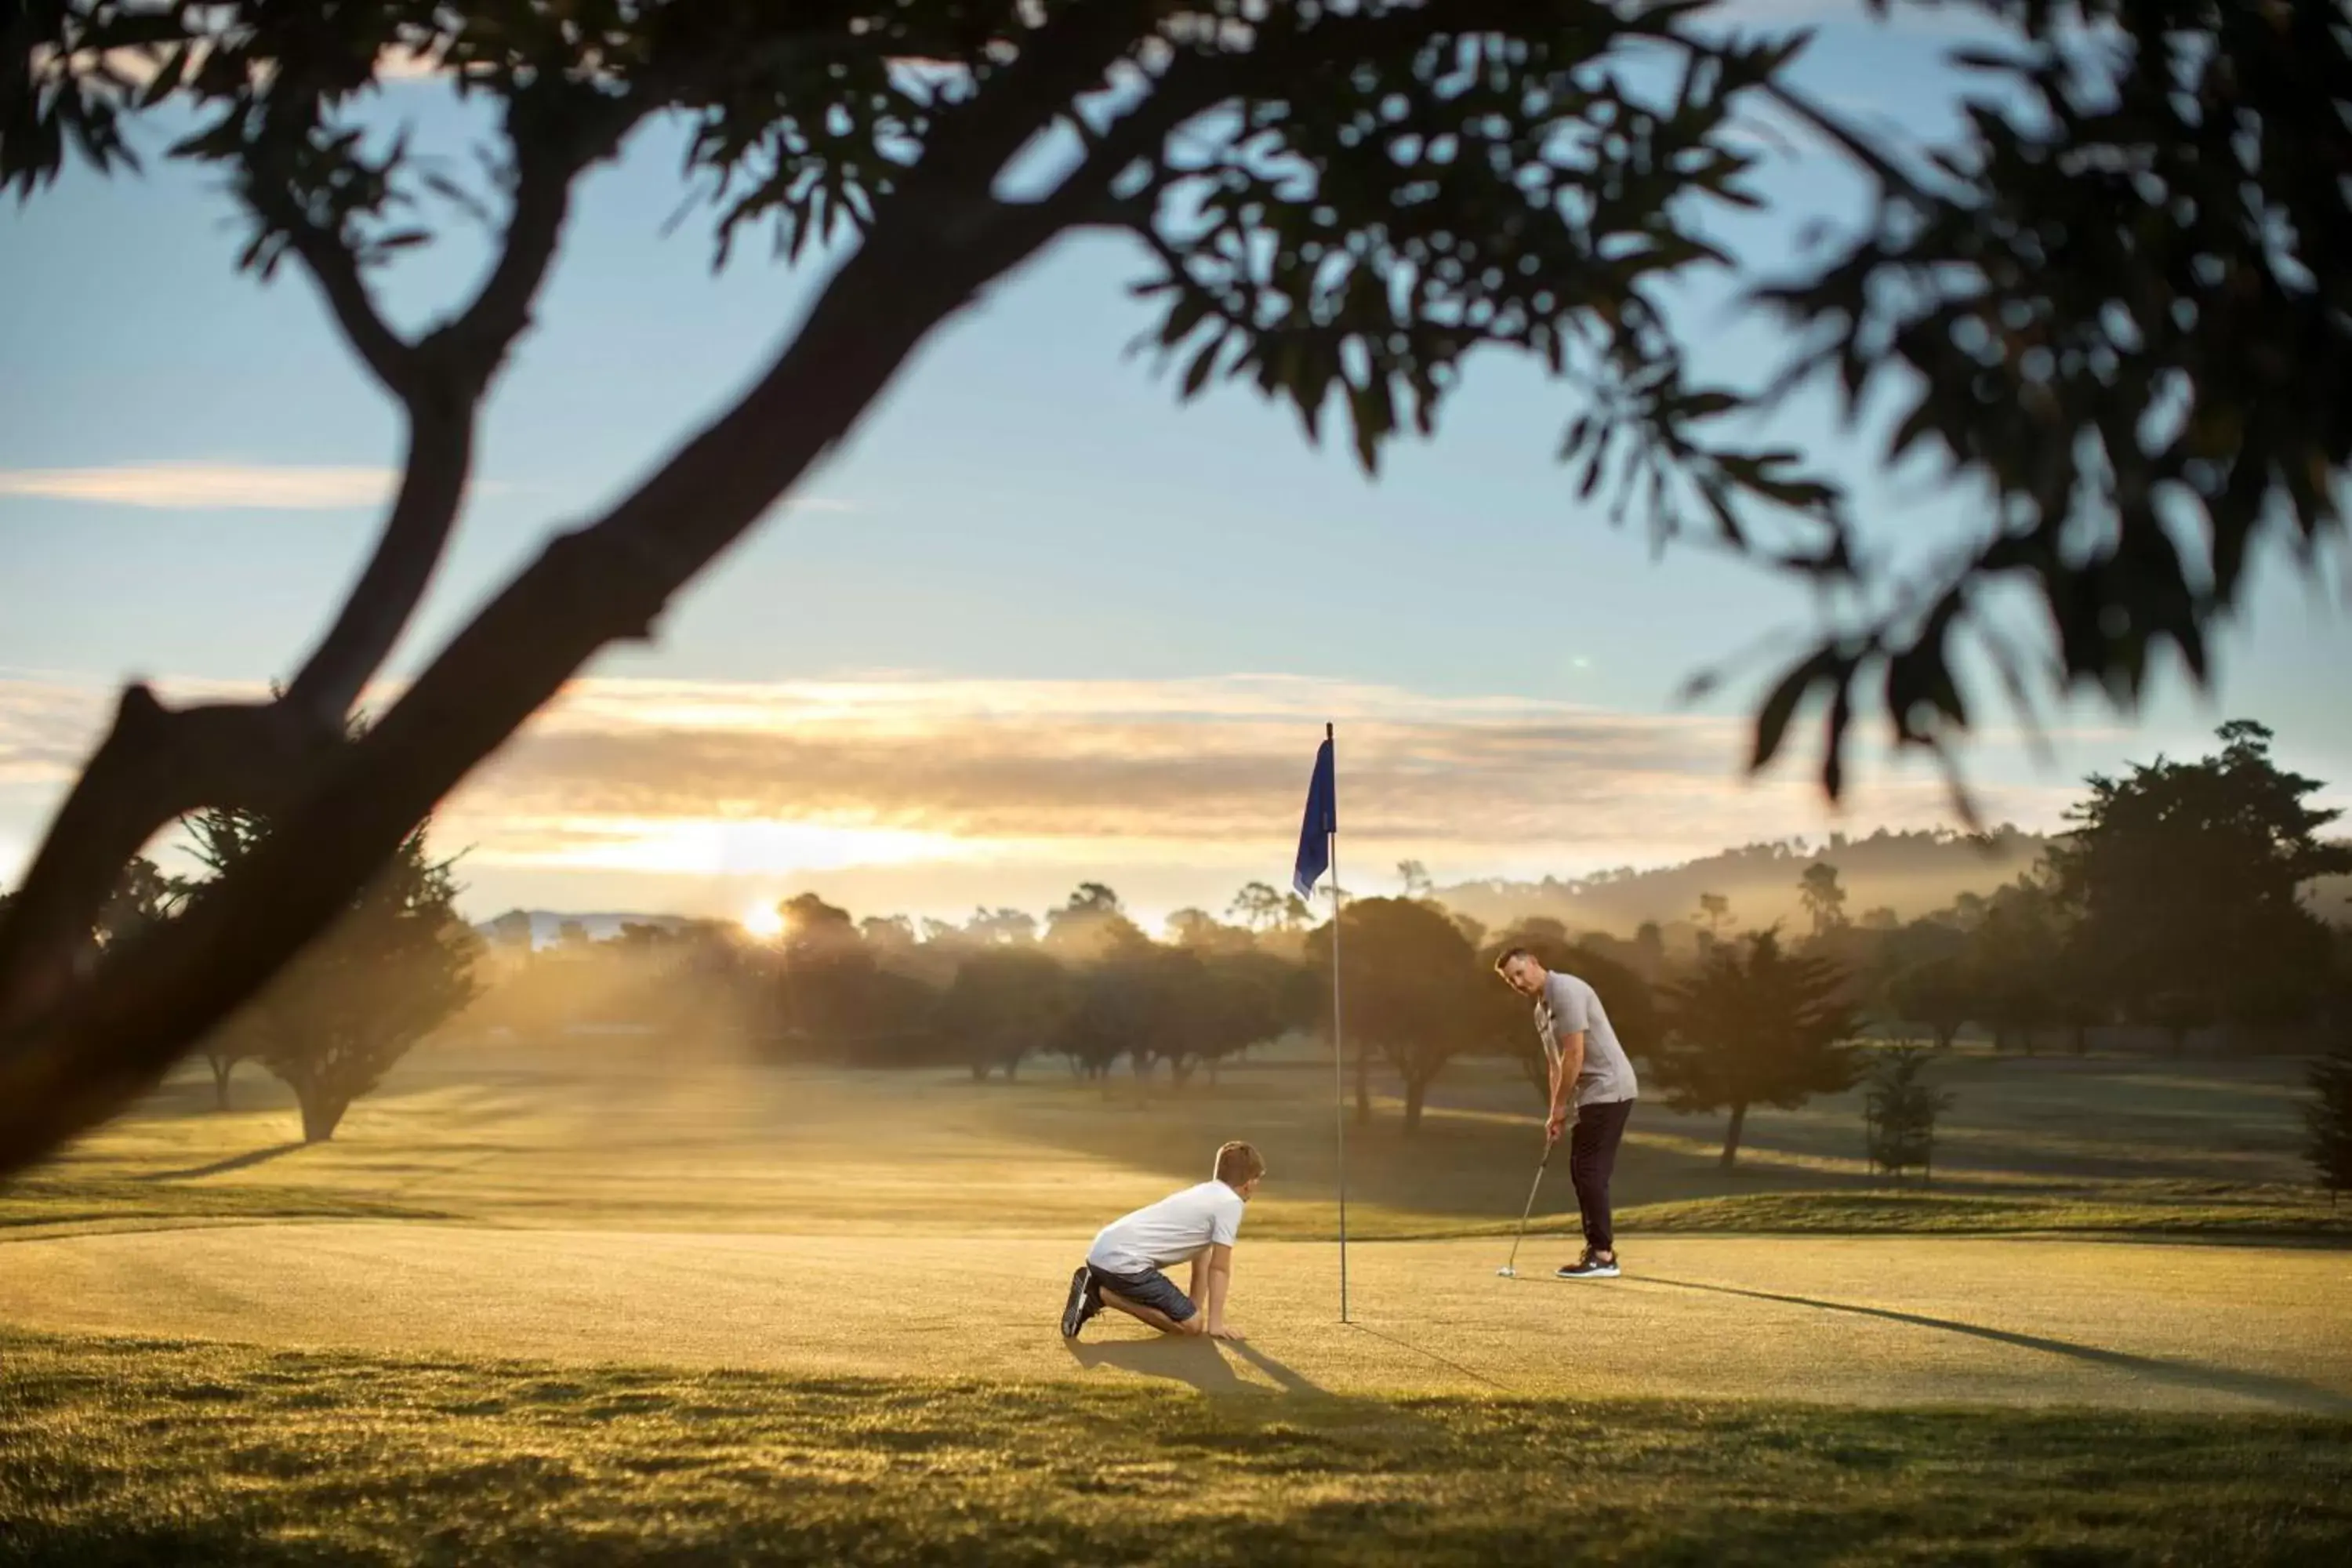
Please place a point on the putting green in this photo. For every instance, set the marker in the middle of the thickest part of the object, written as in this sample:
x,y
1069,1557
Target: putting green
x,y
1851,1321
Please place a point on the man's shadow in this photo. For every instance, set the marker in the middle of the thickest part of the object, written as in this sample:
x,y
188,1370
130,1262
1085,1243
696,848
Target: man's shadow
x,y
1198,1361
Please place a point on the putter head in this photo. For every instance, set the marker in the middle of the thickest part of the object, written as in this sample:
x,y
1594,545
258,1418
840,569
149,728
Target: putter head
x,y
1507,1273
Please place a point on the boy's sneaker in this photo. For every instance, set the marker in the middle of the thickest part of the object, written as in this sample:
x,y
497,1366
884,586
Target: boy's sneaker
x,y
1585,1268
1082,1303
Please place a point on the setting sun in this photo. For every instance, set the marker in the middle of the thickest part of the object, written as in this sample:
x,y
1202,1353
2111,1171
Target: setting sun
x,y
763,920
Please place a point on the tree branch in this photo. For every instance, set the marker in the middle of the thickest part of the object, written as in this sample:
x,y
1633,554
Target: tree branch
x,y
336,271
158,764
451,371
77,1058
432,488
555,144
155,765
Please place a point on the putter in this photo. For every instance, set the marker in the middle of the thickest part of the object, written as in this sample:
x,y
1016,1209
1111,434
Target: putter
x,y
1511,1271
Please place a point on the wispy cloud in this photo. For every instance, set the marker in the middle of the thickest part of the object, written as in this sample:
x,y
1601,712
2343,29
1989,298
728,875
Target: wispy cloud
x,y
630,778
190,487
264,487
1064,768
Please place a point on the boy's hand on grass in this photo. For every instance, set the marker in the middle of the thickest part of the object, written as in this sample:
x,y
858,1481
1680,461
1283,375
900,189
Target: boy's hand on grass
x,y
1219,1332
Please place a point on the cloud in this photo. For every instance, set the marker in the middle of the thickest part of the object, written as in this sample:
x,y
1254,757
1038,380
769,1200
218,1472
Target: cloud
x,y
203,485
268,487
1066,769
973,779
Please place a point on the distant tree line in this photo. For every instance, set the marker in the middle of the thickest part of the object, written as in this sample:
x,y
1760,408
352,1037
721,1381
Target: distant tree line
x,y
2178,904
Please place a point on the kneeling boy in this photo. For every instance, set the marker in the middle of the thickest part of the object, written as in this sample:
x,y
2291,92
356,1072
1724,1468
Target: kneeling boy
x,y
1123,1267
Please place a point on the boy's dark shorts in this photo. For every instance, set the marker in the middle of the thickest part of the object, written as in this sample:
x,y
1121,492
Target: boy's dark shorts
x,y
1149,1288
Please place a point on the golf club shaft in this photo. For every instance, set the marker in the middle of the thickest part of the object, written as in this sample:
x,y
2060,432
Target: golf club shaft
x,y
1532,1187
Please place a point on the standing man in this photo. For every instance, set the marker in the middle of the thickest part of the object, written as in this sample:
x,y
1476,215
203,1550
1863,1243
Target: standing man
x,y
1583,1051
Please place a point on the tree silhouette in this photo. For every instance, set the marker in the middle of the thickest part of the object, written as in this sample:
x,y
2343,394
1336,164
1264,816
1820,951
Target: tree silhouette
x,y
1204,932
2014,965
1248,997
1901,1109
1001,926
1757,1028
1091,926
1715,913
396,965
2117,312
1003,1004
1139,1000
1824,899
2329,1119
1262,907
2187,880
1412,990
1933,991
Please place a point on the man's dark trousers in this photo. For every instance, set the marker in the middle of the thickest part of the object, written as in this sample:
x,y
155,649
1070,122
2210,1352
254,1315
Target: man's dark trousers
x,y
1591,1156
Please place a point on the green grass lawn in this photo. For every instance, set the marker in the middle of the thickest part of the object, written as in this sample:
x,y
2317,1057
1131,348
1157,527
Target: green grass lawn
x,y
626,1139
607,1209
2227,1212
49,1203
114,1451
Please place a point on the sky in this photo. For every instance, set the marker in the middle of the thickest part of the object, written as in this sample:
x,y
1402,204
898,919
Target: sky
x,y
1038,624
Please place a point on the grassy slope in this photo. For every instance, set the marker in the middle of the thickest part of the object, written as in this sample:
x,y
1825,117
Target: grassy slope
x,y
49,1202
608,1142
2231,1214
120,1452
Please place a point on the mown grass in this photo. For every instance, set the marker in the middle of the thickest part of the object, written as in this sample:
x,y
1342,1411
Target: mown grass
x,y
2216,1211
2220,1212
659,1140
76,1200
132,1452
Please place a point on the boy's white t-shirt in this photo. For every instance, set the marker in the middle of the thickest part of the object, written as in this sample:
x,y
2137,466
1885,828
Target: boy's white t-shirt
x,y
1178,1226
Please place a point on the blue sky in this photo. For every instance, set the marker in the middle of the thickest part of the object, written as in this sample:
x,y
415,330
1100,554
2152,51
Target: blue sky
x,y
1037,622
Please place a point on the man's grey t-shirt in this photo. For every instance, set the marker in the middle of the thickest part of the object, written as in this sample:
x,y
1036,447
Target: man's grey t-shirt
x,y
1569,1004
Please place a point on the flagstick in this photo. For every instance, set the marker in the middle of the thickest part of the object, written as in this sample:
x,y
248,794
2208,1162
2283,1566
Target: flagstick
x,y
1338,1047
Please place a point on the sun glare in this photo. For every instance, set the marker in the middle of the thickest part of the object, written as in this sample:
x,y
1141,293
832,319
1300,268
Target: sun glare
x,y
764,920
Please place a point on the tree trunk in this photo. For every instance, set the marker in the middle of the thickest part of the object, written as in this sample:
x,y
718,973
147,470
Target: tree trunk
x,y
1731,1136
1945,1034
222,1066
1012,1067
980,1072
111,1038
1363,1087
2082,1040
322,1113
1416,1091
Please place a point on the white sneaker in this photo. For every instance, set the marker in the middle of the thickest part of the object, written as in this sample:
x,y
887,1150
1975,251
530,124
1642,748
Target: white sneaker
x,y
1585,1268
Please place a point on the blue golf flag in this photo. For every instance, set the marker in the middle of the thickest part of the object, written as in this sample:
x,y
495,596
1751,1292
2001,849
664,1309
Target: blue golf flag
x,y
1322,820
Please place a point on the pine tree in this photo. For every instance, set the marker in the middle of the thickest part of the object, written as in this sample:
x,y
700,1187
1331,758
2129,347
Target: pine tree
x,y
1758,1027
396,965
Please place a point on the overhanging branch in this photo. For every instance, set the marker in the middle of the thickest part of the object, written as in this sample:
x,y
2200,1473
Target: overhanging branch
x,y
80,1057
